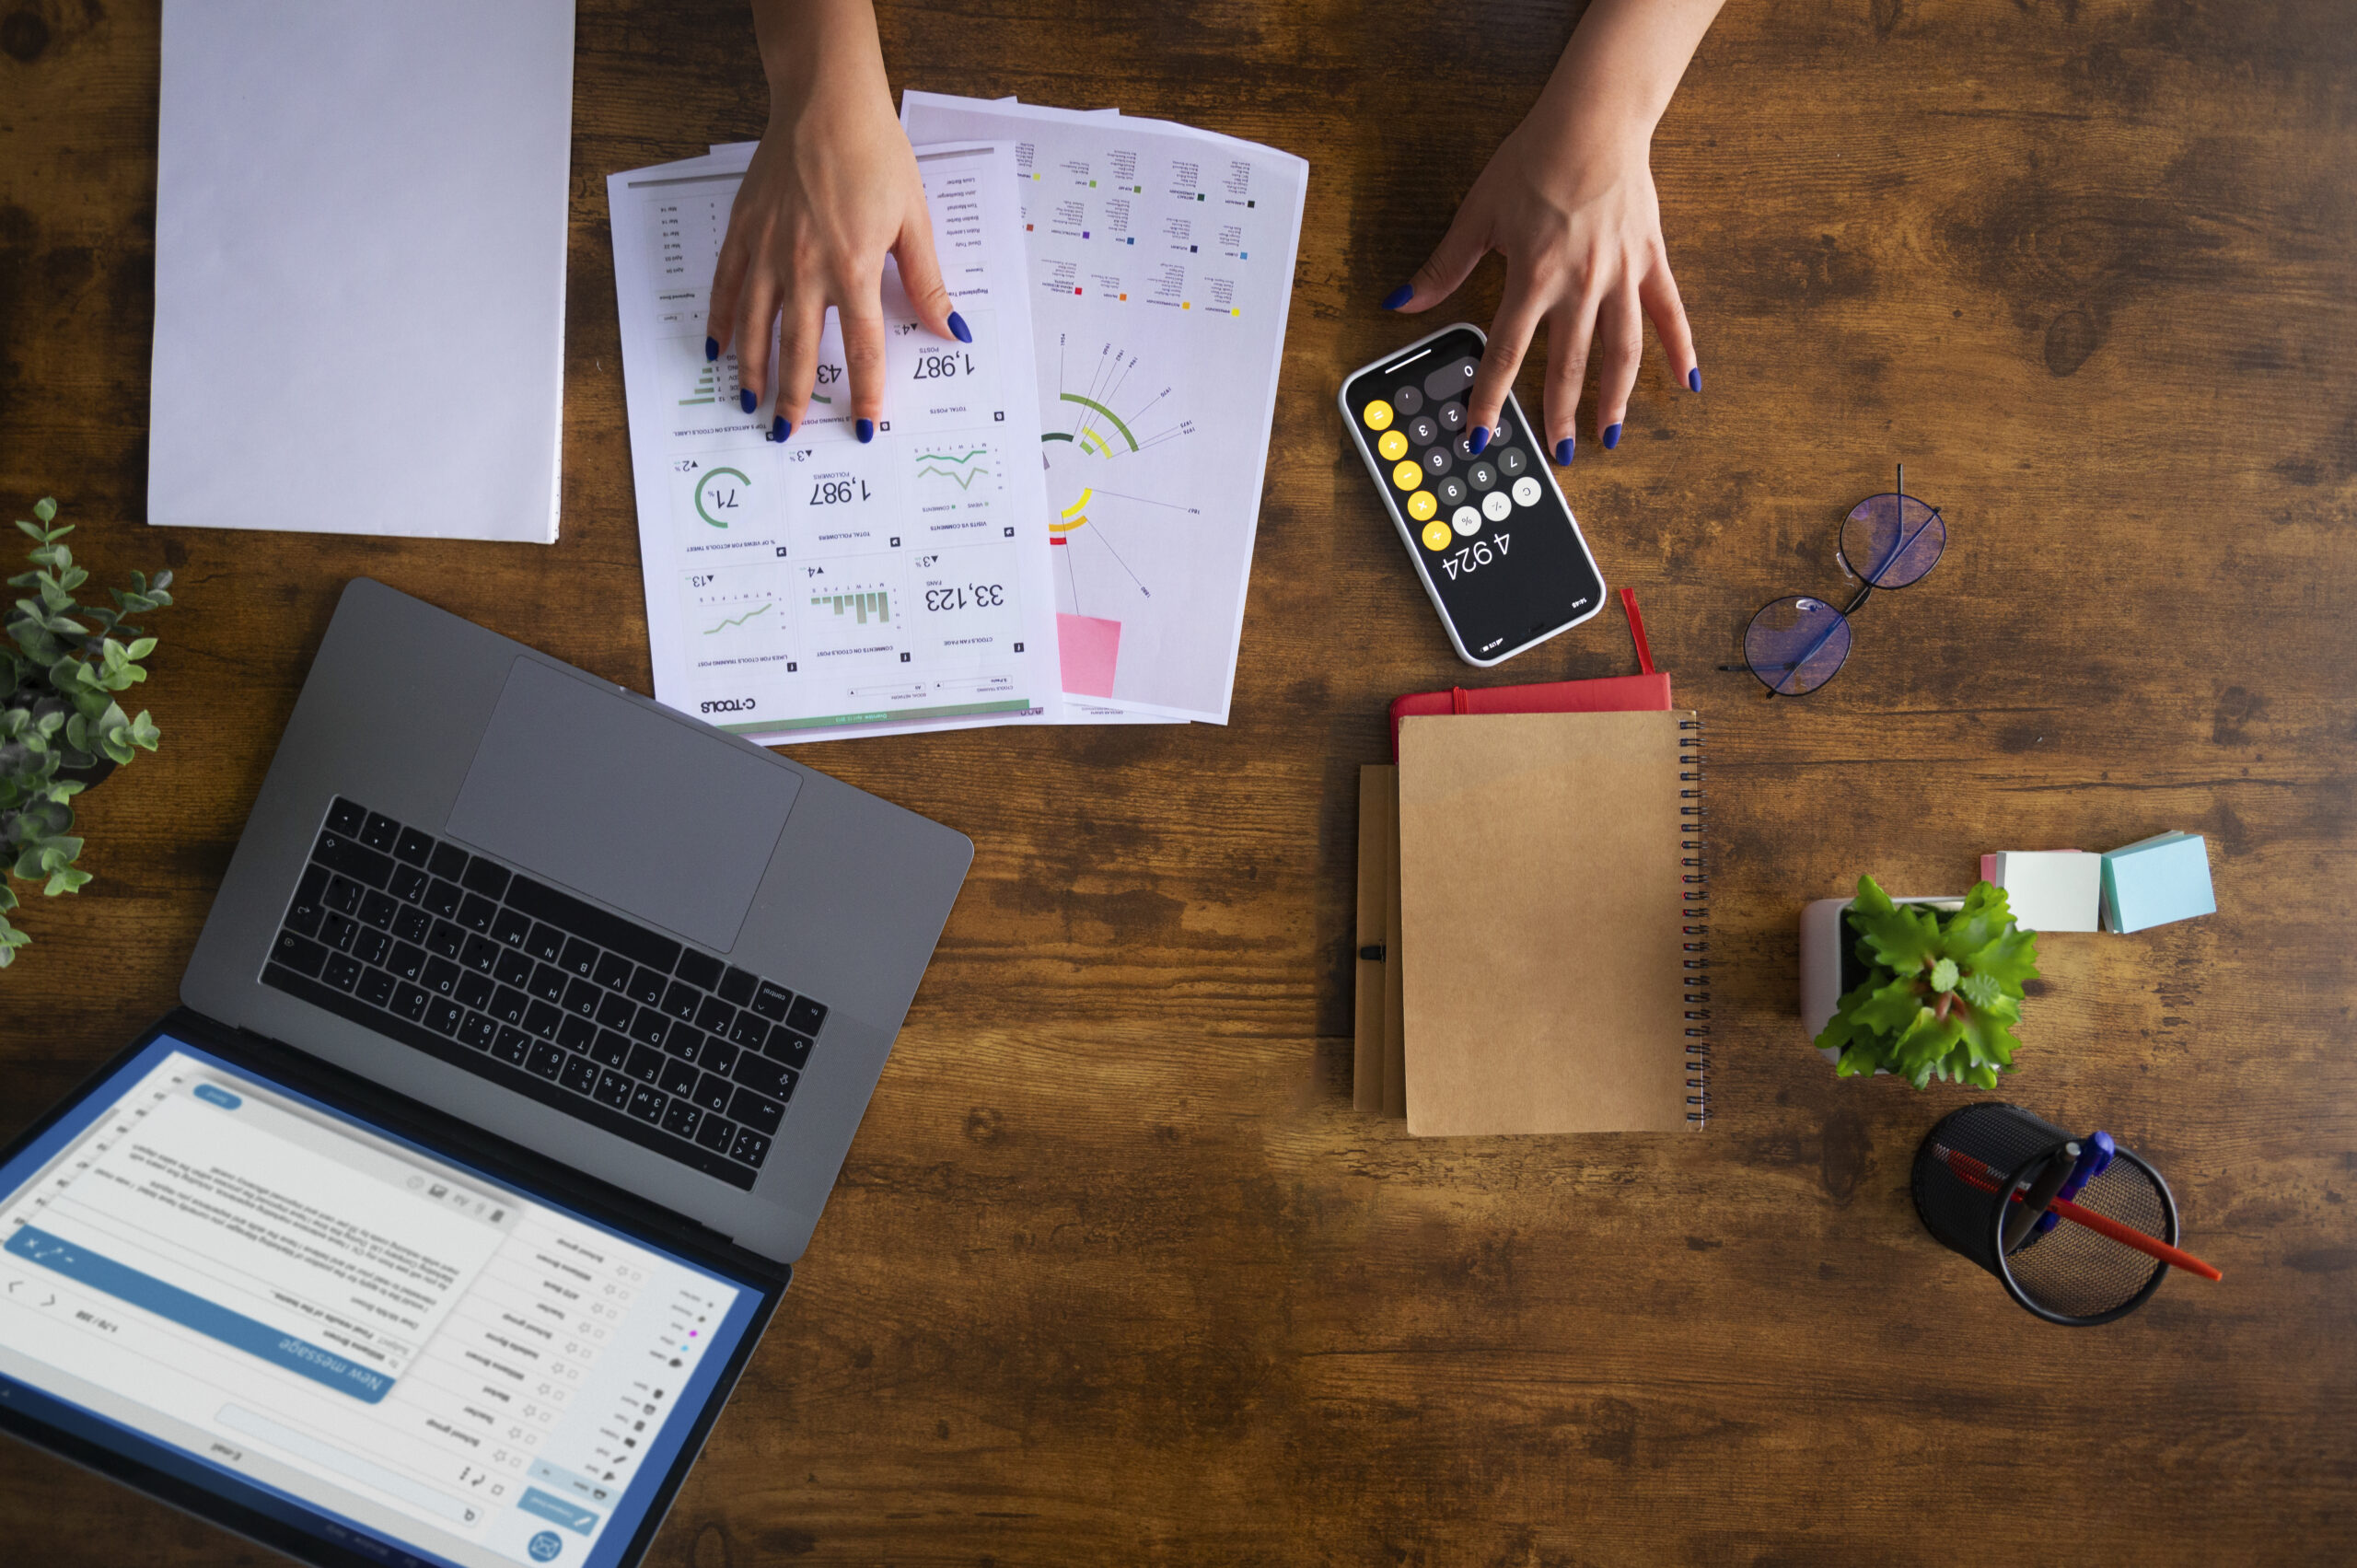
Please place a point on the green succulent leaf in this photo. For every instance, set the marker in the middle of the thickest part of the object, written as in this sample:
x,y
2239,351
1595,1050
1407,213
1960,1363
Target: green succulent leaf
x,y
45,508
2011,960
1843,1028
1899,937
1985,916
1981,989
1892,1008
1943,995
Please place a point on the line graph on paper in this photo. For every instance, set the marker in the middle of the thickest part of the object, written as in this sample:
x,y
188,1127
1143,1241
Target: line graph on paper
x,y
729,622
958,464
1114,444
733,611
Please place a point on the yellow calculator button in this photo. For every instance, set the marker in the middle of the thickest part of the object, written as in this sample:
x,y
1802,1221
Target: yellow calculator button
x,y
1408,473
1378,415
1393,445
1422,506
1437,535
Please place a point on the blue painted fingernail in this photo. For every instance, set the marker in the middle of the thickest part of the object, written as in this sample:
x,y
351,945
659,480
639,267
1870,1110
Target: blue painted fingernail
x,y
1398,296
1611,436
867,430
1478,442
780,428
711,350
1694,379
959,329
1563,451
748,399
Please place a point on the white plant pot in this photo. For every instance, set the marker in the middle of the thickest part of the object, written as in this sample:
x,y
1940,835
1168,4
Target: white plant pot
x,y
1824,938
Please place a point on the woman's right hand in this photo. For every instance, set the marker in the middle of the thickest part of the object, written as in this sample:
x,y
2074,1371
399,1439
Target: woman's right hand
x,y
833,190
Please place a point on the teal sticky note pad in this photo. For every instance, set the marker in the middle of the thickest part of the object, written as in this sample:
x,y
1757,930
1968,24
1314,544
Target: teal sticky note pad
x,y
2156,880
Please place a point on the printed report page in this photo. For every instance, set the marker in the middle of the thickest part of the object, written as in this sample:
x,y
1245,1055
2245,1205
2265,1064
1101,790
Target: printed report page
x,y
1160,263
400,1347
825,586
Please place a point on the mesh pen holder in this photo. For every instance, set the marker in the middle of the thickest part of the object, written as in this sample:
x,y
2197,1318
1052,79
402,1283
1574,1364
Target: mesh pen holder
x,y
1966,1172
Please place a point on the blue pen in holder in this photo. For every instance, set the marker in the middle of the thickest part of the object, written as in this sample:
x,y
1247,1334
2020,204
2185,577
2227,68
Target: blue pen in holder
x,y
1983,1178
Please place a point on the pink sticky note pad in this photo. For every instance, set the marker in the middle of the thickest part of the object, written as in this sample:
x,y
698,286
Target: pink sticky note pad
x,y
1090,647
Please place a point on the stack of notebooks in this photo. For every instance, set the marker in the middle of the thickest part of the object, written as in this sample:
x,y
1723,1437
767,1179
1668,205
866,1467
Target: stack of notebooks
x,y
1531,927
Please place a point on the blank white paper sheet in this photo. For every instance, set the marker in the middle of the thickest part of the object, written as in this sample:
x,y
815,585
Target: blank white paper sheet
x,y
360,248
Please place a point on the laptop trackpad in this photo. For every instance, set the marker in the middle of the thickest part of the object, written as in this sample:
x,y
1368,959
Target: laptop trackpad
x,y
582,787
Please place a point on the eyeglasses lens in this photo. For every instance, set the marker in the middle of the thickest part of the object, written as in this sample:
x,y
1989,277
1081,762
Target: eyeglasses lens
x,y
1891,540
1796,644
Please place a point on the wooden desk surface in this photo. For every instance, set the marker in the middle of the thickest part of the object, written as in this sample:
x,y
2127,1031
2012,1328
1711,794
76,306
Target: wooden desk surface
x,y
1114,1274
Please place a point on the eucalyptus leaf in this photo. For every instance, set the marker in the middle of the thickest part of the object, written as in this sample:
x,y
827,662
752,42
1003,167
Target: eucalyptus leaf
x,y
60,664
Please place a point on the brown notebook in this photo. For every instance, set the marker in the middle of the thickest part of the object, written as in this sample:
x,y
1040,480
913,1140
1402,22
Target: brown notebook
x,y
1378,842
1550,940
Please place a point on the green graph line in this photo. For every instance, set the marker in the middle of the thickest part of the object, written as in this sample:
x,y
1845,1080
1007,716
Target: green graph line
x,y
965,481
1056,435
946,457
739,620
1100,408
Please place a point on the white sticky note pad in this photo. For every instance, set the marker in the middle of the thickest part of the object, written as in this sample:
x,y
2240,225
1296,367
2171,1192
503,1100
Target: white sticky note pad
x,y
2052,889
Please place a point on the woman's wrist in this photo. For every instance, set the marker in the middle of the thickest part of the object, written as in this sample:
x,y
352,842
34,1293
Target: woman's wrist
x,y
815,48
1618,74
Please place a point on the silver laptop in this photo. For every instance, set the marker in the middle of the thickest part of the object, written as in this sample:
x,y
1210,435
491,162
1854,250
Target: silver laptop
x,y
521,990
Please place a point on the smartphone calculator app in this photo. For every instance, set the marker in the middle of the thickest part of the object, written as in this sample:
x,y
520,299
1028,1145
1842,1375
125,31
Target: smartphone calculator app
x,y
1498,550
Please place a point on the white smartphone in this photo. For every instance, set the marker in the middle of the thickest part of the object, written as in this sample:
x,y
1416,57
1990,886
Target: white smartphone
x,y
1500,553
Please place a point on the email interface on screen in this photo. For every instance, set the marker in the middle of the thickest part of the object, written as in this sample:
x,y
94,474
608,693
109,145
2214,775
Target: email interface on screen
x,y
240,1285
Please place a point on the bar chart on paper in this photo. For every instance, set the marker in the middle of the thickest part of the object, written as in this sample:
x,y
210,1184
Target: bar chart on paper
x,y
870,605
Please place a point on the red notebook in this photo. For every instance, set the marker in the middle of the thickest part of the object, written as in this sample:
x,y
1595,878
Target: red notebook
x,y
1647,691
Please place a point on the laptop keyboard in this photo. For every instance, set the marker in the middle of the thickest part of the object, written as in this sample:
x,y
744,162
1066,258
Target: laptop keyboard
x,y
480,965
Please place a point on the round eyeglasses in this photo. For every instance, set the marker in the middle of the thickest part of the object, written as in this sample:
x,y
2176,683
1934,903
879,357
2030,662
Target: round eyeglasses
x,y
1796,644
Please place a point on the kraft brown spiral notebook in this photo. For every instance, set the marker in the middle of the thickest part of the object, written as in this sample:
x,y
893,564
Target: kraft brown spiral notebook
x,y
1552,949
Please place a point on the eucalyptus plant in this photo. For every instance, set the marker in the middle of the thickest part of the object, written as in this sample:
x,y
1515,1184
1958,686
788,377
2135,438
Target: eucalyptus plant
x,y
60,670
1944,991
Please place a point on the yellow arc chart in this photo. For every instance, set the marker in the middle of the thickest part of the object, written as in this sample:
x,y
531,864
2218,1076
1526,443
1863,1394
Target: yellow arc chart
x,y
1107,416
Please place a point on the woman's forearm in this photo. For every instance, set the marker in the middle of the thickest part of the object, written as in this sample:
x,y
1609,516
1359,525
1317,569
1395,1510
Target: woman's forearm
x,y
1618,73
807,43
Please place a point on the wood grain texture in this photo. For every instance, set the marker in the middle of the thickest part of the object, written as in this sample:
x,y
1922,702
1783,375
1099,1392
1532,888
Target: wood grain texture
x,y
1114,1273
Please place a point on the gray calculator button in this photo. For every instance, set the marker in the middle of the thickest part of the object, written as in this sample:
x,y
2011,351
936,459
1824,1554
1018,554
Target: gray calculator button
x,y
1513,461
1421,430
1495,505
1483,475
1466,521
1452,416
1463,446
1526,491
1407,400
1452,491
1437,460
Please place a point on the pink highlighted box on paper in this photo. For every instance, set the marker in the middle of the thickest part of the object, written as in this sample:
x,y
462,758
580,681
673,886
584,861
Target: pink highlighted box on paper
x,y
1090,647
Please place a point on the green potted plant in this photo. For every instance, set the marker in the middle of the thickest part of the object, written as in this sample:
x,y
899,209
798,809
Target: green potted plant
x,y
62,730
1936,992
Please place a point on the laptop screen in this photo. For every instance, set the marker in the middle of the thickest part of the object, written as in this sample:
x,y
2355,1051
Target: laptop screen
x,y
238,1285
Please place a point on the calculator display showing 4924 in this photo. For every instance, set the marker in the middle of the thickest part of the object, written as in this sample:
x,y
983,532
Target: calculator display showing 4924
x,y
1472,557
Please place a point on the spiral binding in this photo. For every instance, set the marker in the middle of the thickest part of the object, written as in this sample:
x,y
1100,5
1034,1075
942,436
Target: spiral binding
x,y
1694,900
